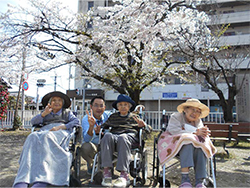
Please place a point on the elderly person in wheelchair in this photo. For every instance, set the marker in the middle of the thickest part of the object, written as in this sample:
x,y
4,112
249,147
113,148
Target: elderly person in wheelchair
x,y
189,138
45,159
124,127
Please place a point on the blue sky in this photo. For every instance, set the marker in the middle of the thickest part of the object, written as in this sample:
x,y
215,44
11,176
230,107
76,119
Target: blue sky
x,y
62,74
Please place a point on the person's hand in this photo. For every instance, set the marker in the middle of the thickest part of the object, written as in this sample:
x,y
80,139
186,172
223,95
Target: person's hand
x,y
91,121
97,129
47,110
203,132
140,122
56,128
91,118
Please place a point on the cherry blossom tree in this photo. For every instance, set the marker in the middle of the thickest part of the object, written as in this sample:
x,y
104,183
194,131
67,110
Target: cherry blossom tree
x,y
127,48
217,65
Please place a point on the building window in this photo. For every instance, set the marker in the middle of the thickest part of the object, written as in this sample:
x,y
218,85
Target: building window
x,y
90,4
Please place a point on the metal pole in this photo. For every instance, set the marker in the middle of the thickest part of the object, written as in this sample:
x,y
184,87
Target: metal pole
x,y
55,84
37,99
23,69
23,106
83,96
208,104
159,115
69,75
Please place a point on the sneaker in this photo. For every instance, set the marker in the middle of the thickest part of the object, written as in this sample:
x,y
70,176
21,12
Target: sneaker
x,y
107,182
185,185
121,182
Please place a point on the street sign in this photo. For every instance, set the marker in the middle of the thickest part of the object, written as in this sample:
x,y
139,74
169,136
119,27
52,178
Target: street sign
x,y
25,76
25,86
41,81
169,95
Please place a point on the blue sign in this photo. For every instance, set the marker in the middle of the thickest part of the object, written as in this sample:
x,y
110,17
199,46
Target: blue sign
x,y
169,95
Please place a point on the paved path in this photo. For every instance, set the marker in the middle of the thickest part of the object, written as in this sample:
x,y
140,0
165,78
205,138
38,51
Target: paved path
x,y
232,172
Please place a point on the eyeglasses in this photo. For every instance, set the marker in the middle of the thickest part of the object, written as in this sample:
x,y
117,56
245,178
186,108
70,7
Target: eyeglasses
x,y
98,106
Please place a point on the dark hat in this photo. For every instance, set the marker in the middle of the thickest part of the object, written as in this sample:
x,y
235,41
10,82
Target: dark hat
x,y
47,97
124,98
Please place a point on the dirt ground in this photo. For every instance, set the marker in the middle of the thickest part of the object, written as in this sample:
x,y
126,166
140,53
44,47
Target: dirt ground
x,y
231,172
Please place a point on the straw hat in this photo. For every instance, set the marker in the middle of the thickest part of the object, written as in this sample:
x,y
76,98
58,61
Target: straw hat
x,y
194,103
47,97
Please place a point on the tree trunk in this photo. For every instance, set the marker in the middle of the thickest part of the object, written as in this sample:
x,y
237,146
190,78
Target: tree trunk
x,y
135,95
227,106
16,123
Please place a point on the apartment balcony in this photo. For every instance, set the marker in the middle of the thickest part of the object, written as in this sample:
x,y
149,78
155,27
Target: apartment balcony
x,y
233,17
235,40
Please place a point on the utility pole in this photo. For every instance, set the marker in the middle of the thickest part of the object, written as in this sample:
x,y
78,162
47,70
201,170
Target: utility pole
x,y
40,83
83,96
24,53
70,76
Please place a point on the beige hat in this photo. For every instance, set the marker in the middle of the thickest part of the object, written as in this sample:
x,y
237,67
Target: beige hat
x,y
194,103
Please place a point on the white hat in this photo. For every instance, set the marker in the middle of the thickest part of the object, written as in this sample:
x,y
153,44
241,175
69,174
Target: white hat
x,y
194,103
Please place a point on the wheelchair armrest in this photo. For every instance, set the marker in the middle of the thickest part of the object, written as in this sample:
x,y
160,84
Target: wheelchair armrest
x,y
102,130
140,137
36,126
78,134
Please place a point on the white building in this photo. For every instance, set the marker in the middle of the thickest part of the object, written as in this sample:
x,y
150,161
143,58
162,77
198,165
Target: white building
x,y
235,12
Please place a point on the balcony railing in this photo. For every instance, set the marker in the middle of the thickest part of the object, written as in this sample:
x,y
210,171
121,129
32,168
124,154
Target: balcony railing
x,y
233,17
153,118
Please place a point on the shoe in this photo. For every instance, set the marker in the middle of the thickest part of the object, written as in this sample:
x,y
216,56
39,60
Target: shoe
x,y
200,185
107,182
185,185
121,182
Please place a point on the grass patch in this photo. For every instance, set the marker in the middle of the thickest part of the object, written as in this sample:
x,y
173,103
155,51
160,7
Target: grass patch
x,y
150,138
16,132
223,155
241,144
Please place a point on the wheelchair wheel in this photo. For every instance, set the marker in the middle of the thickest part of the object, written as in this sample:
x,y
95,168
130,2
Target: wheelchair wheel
x,y
209,182
98,178
155,159
77,163
167,183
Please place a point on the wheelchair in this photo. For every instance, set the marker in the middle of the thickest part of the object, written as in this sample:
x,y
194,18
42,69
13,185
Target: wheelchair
x,y
138,165
160,176
76,138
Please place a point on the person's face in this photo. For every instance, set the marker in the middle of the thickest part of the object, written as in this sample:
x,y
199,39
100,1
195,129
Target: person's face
x,y
192,113
98,107
123,108
56,103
